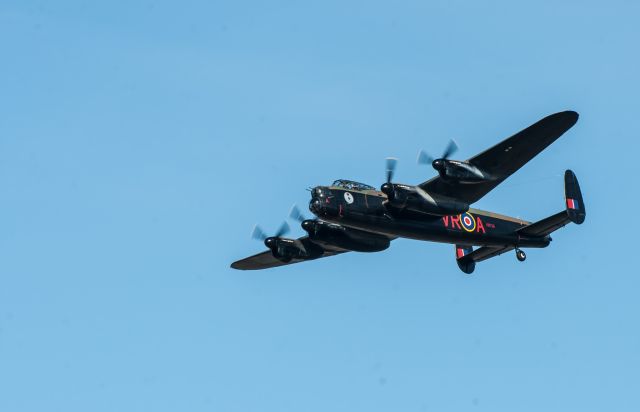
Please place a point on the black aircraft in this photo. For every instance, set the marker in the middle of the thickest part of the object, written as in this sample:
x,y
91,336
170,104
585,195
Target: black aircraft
x,y
353,216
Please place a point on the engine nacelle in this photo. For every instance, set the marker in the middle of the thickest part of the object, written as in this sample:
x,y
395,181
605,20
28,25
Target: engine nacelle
x,y
415,199
287,249
344,237
460,172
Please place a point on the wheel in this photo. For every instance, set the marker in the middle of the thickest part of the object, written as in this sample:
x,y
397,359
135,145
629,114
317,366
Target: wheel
x,y
520,255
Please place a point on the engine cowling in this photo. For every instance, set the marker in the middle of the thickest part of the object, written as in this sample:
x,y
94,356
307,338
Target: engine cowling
x,y
287,249
413,198
460,172
344,237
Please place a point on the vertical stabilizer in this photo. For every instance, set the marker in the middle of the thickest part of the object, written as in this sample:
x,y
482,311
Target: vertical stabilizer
x,y
465,264
573,197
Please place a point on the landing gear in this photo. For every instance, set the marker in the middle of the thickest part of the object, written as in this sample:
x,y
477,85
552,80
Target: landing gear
x,y
520,255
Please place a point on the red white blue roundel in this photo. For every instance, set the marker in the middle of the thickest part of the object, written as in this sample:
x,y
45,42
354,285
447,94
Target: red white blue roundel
x,y
468,222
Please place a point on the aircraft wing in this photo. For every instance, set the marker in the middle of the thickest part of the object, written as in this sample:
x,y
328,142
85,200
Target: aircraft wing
x,y
266,260
503,159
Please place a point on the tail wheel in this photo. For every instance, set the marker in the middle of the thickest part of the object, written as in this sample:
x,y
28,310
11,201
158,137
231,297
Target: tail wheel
x,y
520,255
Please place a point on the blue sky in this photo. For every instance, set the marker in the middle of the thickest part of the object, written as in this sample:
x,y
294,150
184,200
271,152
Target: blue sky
x,y
141,141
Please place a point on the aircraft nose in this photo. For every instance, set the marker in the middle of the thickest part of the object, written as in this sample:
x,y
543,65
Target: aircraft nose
x,y
317,192
315,206
321,204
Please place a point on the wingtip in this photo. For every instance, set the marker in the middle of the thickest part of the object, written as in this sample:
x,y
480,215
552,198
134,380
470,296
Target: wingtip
x,y
565,119
570,115
573,116
573,113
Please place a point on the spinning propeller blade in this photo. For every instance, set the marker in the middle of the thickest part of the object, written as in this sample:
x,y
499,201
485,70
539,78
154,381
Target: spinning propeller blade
x,y
283,229
259,234
452,147
392,162
295,214
424,158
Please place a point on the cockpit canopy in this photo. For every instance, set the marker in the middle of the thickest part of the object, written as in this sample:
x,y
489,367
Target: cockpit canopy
x,y
351,185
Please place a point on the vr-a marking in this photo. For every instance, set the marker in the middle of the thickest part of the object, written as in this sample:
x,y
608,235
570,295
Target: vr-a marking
x,y
465,221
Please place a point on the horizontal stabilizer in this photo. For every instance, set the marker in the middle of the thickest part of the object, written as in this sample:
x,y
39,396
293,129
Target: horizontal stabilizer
x,y
468,261
545,226
574,212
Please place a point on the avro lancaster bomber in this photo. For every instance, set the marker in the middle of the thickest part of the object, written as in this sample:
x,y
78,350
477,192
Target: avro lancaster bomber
x,y
352,216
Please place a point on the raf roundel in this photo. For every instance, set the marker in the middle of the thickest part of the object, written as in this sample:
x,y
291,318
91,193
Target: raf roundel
x,y
348,197
468,222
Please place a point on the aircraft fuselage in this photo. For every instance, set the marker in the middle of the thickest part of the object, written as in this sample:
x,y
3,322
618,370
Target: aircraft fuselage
x,y
368,211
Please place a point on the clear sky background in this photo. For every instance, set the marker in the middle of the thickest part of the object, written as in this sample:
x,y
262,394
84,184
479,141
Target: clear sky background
x,y
140,141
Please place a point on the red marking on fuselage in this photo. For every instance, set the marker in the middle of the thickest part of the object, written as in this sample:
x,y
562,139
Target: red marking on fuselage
x,y
455,221
479,225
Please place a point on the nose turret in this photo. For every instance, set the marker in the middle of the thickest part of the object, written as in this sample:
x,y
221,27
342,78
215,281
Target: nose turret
x,y
318,197
322,202
315,206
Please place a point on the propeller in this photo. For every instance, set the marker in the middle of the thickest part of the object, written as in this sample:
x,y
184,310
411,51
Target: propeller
x,y
387,187
392,162
259,234
452,147
272,241
425,158
308,225
295,214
